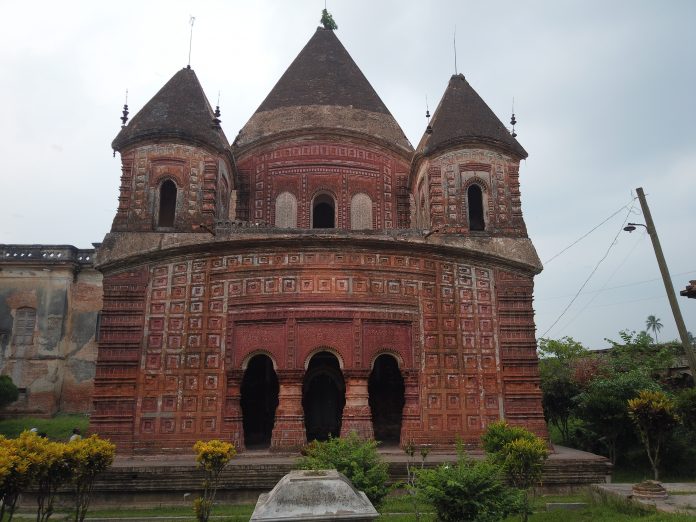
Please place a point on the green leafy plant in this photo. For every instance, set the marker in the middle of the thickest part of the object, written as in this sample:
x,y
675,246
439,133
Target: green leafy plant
x,y
468,490
654,415
357,459
500,433
686,408
212,456
8,391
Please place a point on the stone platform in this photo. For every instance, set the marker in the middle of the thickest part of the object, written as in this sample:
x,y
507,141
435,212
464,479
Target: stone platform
x,y
681,496
174,480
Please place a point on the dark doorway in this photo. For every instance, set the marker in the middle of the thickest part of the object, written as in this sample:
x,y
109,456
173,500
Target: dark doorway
x,y
259,401
323,212
167,204
323,397
475,198
386,389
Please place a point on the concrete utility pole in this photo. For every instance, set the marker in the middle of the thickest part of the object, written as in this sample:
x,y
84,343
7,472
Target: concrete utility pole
x,y
669,288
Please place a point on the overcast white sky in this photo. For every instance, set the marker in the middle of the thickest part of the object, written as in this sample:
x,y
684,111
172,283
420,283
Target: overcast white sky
x,y
605,96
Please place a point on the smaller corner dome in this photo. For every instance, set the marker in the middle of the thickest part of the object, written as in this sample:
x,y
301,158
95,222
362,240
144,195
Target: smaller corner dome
x,y
180,110
463,117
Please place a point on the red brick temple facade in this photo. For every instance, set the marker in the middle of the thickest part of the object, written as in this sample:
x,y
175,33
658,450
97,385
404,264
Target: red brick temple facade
x,y
317,276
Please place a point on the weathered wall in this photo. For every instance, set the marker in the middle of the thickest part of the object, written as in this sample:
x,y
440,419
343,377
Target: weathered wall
x,y
440,188
55,368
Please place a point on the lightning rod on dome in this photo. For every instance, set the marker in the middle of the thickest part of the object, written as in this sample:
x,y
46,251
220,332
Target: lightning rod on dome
x,y
192,19
455,49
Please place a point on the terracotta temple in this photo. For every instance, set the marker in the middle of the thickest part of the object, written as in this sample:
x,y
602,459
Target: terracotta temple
x,y
318,275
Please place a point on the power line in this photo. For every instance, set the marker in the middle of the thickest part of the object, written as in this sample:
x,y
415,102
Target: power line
x,y
588,233
606,254
617,286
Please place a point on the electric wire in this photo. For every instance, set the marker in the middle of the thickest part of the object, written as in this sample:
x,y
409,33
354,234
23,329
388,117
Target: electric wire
x,y
588,233
606,254
618,267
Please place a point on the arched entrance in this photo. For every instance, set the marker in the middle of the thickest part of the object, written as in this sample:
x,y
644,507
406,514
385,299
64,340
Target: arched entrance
x,y
323,212
323,397
259,401
386,390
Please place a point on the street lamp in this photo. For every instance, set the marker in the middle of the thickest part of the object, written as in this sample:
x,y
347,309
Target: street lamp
x,y
666,279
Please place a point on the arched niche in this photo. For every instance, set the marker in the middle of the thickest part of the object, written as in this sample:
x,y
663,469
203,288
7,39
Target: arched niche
x,y
361,212
166,213
286,211
474,198
323,211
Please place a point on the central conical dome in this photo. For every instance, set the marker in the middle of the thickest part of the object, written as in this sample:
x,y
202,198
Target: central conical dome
x,y
323,90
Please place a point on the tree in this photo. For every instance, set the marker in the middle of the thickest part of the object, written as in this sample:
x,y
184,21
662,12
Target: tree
x,y
603,406
8,391
637,352
87,458
558,365
654,324
212,456
654,415
327,20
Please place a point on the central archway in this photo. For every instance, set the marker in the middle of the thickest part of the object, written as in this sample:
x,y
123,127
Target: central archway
x,y
259,401
323,397
386,390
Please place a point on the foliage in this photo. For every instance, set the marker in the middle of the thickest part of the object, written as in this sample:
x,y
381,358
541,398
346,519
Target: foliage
x,y
410,450
499,434
56,428
637,352
212,456
357,459
87,458
654,324
603,406
327,20
654,415
468,490
8,391
686,408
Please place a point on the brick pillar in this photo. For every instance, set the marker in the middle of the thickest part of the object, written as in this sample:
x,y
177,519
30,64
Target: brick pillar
x,y
411,420
356,413
232,425
289,429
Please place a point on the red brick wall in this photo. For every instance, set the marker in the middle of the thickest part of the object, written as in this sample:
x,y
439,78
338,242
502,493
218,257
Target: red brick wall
x,y
464,334
342,168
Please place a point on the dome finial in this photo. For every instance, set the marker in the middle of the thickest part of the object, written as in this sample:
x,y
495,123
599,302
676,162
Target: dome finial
x,y
428,129
513,121
216,119
124,118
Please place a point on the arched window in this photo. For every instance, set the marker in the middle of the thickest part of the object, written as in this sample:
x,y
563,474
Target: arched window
x,y
25,321
167,204
286,211
474,197
361,212
323,212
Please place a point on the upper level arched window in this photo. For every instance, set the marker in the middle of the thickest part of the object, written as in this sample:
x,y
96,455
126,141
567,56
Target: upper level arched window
x,y
474,196
323,212
24,323
167,204
286,211
361,212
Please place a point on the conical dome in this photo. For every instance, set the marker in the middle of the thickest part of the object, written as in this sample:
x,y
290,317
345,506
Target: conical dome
x,y
463,117
180,110
323,89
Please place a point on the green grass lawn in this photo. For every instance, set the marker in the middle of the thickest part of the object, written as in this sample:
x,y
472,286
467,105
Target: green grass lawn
x,y
399,508
57,428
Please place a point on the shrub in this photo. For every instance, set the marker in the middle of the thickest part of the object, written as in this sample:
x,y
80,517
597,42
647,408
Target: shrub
x,y
686,408
357,459
654,415
212,456
500,433
468,490
87,458
8,391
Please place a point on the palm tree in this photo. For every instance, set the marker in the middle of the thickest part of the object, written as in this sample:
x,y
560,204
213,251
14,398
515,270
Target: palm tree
x,y
654,324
